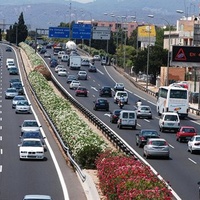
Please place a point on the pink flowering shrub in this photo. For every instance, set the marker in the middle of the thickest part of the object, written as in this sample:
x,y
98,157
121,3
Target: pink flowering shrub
x,y
124,178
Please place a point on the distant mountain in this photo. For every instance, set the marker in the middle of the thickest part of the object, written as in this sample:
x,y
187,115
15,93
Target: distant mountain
x,y
42,15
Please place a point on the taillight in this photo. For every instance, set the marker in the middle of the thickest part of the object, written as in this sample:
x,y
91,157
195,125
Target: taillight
x,y
142,138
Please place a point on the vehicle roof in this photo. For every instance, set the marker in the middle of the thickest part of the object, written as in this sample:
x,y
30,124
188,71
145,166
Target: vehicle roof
x,y
187,127
31,139
173,87
128,111
169,113
156,139
34,196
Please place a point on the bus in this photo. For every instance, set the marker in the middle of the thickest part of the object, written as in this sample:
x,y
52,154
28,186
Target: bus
x,y
173,99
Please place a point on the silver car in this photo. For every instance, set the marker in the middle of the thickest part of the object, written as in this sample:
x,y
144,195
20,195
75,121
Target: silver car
x,y
144,112
156,147
16,99
23,106
10,93
30,125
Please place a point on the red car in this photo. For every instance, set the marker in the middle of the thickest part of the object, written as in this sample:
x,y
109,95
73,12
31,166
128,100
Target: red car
x,y
185,133
81,91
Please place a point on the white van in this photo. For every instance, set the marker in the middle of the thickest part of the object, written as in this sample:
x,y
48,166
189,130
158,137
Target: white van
x,y
127,118
10,61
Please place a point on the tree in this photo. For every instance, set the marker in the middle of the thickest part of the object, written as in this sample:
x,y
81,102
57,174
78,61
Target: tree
x,y
18,32
22,31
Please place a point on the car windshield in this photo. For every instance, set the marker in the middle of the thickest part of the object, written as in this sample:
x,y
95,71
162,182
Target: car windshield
x,y
197,138
30,124
31,135
31,143
11,90
145,108
102,101
122,94
158,143
171,118
150,133
18,98
22,103
189,130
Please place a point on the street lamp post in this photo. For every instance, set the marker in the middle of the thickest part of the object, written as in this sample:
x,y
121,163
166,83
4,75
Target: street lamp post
x,y
168,54
148,52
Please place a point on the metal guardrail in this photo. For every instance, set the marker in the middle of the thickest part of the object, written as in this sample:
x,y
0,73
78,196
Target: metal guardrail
x,y
107,131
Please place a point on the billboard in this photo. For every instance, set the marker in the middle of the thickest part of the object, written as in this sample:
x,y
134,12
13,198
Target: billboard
x,y
101,33
146,32
186,56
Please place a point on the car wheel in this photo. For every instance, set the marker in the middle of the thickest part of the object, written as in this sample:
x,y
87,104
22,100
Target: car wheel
x,y
179,139
191,151
147,157
119,126
162,130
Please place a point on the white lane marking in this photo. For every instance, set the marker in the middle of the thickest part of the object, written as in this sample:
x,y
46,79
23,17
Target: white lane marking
x,y
99,85
114,79
100,72
1,151
94,88
195,122
192,160
107,114
146,120
93,80
171,146
0,138
0,168
151,103
93,95
139,125
157,118
0,118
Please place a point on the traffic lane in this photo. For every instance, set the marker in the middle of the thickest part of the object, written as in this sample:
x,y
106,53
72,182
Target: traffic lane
x,y
10,141
75,190
21,171
125,134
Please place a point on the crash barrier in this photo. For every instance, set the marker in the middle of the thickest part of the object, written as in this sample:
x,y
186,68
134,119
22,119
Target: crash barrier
x,y
113,137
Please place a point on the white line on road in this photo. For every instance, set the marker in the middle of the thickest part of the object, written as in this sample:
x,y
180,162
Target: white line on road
x,y
93,80
0,138
139,125
1,151
157,118
100,72
0,168
171,146
146,120
192,160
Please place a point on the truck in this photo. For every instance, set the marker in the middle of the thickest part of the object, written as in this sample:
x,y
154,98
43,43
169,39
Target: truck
x,y
75,62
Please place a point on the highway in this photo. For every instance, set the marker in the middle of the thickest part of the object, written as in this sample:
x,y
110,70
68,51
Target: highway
x,y
182,170
51,176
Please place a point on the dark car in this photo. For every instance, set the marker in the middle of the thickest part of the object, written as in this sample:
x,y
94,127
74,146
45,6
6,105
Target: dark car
x,y
81,91
53,62
18,86
114,116
43,51
13,71
70,78
8,49
105,91
12,80
144,135
92,68
101,104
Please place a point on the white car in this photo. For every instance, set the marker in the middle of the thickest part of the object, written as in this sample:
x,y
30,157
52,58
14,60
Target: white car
x,y
194,144
97,57
31,148
10,93
74,84
169,121
62,72
23,106
58,67
30,125
118,94
60,53
119,87
82,75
